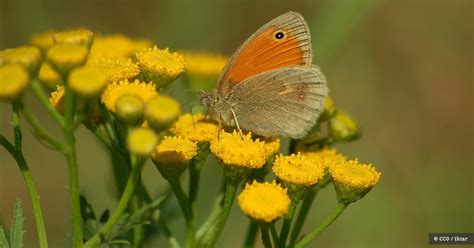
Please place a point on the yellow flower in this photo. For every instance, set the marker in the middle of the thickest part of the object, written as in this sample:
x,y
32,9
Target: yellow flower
x,y
43,40
56,98
117,69
139,45
129,109
241,152
195,128
204,64
48,76
264,201
80,36
353,180
26,56
115,90
64,57
111,47
160,66
13,81
272,146
326,157
175,150
297,170
141,141
343,127
161,111
87,82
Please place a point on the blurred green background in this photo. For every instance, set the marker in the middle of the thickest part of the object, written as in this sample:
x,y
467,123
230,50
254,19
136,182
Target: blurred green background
x,y
403,69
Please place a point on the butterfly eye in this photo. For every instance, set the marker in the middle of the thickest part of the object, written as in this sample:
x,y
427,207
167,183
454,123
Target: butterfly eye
x,y
279,35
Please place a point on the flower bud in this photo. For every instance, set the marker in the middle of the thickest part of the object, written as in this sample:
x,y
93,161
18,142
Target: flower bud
x,y
48,76
161,112
82,37
27,56
141,141
342,127
65,57
129,109
13,81
87,82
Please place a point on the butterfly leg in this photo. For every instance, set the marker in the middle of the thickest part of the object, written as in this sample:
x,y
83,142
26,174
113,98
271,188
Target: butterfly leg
x,y
237,124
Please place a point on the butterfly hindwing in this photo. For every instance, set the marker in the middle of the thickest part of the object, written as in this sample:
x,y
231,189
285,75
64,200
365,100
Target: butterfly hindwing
x,y
284,101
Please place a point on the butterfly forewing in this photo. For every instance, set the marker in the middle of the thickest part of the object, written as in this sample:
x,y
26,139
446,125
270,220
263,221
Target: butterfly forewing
x,y
284,41
284,101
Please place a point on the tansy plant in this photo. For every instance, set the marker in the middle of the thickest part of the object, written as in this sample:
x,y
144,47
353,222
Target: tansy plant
x,y
113,85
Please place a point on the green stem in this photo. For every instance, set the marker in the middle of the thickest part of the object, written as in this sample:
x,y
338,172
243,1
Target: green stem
x,y
17,153
267,243
216,212
39,93
285,228
166,230
251,234
340,207
186,209
70,153
139,230
305,207
194,175
274,234
39,132
122,205
210,238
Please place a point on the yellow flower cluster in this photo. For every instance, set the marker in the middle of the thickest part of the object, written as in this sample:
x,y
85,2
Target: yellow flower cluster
x,y
117,69
237,151
160,66
297,170
325,157
174,150
204,64
116,47
355,175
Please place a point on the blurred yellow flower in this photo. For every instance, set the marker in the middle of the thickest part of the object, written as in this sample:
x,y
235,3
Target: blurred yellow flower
x,y
87,81
48,76
64,57
272,146
141,141
343,127
236,151
111,47
43,40
160,66
80,36
115,90
161,111
27,56
297,170
13,81
204,64
325,157
117,69
264,201
56,98
129,109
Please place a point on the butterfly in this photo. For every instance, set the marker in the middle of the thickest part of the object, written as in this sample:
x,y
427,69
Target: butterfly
x,y
269,85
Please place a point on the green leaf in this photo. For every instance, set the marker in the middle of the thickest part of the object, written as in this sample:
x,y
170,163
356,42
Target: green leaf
x,y
3,239
16,231
90,226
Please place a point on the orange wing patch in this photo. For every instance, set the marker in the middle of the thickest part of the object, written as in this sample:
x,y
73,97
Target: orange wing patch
x,y
265,53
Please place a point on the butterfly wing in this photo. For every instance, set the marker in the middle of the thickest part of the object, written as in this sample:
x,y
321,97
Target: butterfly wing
x,y
284,101
284,41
